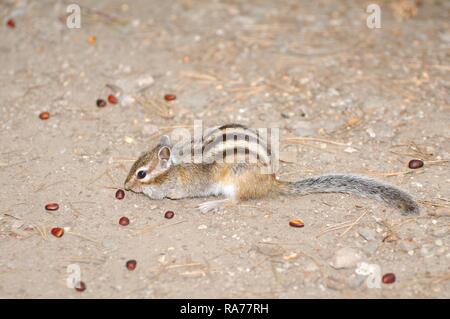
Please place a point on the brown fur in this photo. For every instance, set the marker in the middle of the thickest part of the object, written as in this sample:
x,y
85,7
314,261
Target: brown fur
x,y
252,185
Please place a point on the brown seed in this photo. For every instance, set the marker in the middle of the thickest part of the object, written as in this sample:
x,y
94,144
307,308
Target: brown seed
x,y
120,194
101,103
112,99
131,264
52,206
92,39
415,163
352,121
124,221
11,23
57,231
296,223
44,116
80,286
170,97
388,278
169,214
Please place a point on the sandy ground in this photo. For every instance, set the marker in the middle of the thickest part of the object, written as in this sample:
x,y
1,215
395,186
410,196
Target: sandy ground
x,y
375,98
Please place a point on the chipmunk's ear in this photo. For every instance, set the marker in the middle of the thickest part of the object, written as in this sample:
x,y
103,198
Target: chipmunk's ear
x,y
164,162
165,141
164,153
165,157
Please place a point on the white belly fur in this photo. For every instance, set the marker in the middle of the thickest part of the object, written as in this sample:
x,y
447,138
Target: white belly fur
x,y
228,190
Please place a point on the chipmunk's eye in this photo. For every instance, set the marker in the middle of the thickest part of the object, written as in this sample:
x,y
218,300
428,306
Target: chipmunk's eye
x,y
141,174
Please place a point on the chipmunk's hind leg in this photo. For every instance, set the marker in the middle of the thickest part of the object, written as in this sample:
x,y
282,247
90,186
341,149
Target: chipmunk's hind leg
x,y
239,186
225,186
251,185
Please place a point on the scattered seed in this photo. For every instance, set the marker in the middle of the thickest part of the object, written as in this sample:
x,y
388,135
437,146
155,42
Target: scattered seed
x,y
112,99
124,221
92,39
415,163
169,214
120,194
170,97
44,116
52,206
80,286
296,223
57,231
352,121
131,264
11,23
101,103
388,278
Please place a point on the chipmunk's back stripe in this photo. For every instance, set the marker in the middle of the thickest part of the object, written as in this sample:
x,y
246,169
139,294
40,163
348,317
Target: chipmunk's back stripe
x,y
229,128
253,153
230,143
232,125
236,139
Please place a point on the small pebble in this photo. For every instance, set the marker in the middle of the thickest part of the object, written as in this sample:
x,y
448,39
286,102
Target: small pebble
x,y
57,231
170,97
415,163
11,23
52,206
112,99
169,214
296,223
124,221
131,264
101,103
350,150
120,194
346,257
44,116
388,278
128,140
80,286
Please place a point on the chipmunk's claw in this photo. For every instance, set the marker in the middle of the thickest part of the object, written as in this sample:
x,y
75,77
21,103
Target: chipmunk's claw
x,y
211,206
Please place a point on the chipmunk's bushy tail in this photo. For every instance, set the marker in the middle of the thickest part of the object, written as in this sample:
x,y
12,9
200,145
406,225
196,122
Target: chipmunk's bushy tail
x,y
357,185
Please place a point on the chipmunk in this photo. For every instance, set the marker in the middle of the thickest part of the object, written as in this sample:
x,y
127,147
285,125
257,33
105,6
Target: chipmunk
x,y
164,173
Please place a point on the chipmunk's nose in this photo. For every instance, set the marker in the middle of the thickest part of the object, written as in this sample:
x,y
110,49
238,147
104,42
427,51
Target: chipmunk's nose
x,y
127,186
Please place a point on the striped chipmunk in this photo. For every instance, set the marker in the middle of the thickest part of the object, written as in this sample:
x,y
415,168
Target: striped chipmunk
x,y
236,162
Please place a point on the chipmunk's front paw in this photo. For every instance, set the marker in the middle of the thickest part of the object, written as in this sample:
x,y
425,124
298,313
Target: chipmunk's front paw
x,y
212,206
